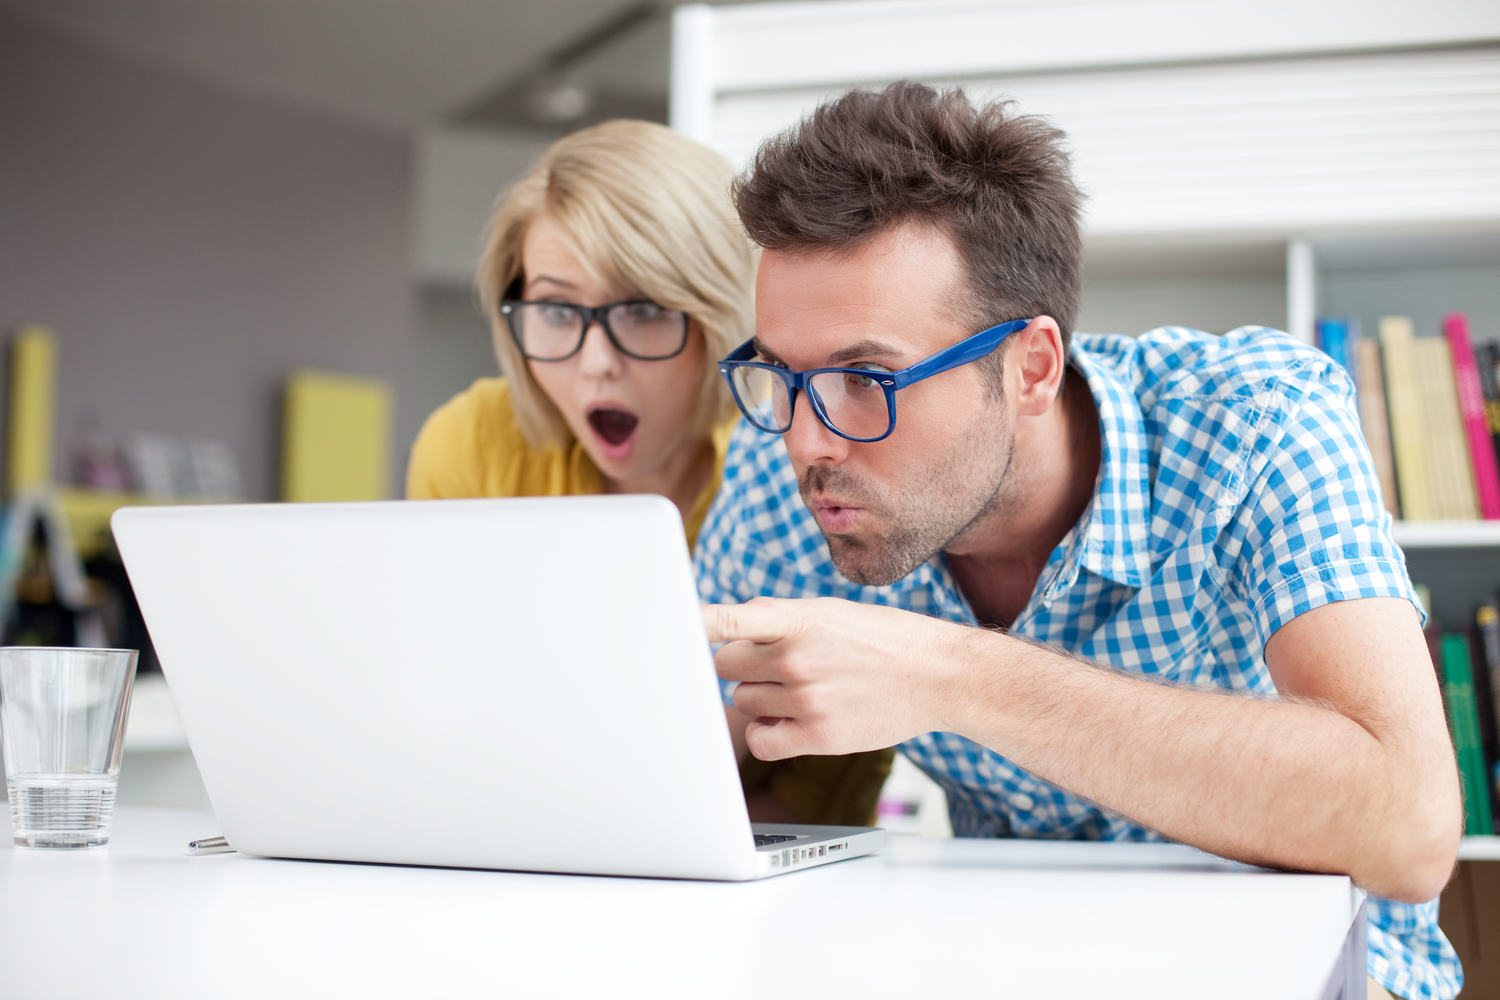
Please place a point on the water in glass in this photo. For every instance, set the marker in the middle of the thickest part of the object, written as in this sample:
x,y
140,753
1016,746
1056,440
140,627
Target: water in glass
x,y
61,810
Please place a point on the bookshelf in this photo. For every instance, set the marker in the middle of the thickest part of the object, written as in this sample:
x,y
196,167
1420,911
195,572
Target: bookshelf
x,y
1422,535
1459,561
1479,849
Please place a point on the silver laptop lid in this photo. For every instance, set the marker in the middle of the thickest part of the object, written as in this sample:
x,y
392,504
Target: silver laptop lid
x,y
519,683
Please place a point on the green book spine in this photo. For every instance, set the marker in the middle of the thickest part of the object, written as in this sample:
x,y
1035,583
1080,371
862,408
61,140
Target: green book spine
x,y
1463,721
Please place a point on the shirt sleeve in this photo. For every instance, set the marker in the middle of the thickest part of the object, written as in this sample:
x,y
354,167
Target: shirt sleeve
x,y
1316,529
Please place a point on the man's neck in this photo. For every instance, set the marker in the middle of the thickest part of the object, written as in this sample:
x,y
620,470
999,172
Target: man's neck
x,y
1054,471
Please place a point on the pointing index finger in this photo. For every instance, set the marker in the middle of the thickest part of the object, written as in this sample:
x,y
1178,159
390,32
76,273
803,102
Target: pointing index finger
x,y
758,621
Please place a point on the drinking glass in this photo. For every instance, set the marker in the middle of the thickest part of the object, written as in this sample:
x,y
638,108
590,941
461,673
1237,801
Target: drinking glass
x,y
62,724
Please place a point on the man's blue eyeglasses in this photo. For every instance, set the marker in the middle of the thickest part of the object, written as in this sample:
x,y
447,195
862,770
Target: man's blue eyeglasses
x,y
854,403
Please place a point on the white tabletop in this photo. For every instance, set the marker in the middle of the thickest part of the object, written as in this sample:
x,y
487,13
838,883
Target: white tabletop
x,y
926,918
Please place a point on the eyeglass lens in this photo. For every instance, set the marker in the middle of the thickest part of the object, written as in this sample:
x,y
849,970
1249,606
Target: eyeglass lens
x,y
853,404
552,331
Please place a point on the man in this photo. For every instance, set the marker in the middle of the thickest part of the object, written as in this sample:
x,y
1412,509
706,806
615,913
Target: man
x,y
1144,526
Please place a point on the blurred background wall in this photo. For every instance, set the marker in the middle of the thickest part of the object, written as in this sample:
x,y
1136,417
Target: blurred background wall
x,y
201,198
190,243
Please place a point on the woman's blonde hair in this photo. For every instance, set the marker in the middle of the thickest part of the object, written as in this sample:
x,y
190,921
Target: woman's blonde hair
x,y
647,212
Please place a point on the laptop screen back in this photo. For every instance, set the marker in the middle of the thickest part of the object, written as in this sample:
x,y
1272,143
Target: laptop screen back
x,y
519,683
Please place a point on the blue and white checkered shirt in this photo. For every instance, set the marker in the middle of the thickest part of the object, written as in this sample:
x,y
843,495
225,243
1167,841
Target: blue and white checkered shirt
x,y
1236,493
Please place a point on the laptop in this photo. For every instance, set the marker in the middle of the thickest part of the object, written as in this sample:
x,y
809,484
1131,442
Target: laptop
x,y
519,684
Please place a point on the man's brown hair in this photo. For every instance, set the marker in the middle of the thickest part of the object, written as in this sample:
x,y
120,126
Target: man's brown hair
x,y
995,182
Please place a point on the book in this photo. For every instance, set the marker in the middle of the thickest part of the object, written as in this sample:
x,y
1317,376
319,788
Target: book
x,y
1463,724
1452,478
1487,646
1484,706
1487,361
1353,335
1481,446
1333,337
1408,433
1374,422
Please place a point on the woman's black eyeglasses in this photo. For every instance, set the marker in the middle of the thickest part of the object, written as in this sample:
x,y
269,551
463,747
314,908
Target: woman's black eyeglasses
x,y
554,331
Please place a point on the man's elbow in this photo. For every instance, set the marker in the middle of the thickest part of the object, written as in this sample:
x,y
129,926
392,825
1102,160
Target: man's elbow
x,y
1418,855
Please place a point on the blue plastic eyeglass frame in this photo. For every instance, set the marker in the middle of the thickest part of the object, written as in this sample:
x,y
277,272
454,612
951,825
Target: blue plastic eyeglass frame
x,y
965,351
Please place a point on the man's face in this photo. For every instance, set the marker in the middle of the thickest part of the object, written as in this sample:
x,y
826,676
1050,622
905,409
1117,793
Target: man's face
x,y
888,506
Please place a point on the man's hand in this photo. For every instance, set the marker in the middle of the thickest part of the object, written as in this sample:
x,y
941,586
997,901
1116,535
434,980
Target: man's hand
x,y
825,676
1352,772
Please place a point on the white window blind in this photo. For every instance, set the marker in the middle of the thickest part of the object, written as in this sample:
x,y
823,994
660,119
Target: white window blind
x,y
1269,145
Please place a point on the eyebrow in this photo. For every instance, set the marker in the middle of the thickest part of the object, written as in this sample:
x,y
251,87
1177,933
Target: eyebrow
x,y
554,281
858,349
861,349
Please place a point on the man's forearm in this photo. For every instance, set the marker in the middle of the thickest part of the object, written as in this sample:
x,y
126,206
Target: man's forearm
x,y
1271,782
1351,772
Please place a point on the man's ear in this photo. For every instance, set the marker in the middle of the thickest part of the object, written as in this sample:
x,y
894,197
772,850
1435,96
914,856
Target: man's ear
x,y
1040,363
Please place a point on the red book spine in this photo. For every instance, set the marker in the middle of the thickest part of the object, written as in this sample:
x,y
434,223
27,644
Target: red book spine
x,y
1471,406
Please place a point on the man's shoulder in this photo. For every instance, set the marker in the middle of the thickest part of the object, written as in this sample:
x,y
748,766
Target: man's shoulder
x,y
1205,422
1173,364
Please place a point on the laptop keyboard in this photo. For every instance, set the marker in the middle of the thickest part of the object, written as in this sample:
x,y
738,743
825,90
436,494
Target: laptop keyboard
x,y
767,839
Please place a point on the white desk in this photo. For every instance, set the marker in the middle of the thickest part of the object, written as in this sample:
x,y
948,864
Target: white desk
x,y
143,918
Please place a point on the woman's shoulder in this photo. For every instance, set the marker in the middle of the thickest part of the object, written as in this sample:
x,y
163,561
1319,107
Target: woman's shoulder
x,y
483,407
471,446
479,418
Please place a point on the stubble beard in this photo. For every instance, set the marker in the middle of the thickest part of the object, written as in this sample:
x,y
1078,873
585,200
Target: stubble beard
x,y
945,502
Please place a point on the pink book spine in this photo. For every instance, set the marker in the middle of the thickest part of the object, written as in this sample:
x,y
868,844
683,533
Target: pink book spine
x,y
1471,405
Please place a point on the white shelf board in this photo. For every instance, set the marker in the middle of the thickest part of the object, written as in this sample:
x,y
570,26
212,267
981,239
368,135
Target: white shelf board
x,y
1447,534
1479,849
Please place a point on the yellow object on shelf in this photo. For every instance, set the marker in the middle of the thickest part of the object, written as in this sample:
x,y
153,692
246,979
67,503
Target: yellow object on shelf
x,y
33,384
337,440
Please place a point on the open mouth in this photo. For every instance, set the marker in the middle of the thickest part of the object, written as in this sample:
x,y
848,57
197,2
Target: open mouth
x,y
614,426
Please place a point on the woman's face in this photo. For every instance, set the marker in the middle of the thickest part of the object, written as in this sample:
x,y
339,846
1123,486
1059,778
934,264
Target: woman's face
x,y
633,417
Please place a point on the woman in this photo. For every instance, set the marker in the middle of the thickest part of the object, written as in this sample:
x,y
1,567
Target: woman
x,y
614,276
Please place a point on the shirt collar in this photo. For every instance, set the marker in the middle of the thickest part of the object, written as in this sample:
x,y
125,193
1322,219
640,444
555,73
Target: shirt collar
x,y
1112,539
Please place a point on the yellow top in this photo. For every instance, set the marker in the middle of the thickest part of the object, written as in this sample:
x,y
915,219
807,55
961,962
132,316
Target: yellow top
x,y
471,446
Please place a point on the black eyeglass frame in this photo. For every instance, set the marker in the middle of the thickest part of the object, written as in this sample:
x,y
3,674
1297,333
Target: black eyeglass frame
x,y
590,315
